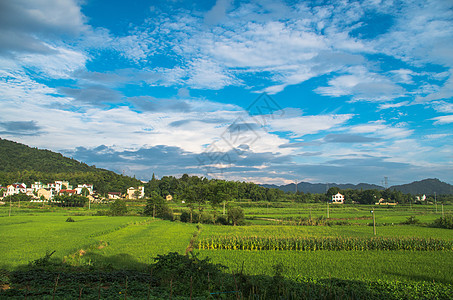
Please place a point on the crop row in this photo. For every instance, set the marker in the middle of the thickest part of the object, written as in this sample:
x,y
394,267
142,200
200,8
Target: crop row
x,y
324,243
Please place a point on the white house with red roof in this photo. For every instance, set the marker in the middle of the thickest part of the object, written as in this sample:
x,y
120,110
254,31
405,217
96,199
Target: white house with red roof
x,y
16,188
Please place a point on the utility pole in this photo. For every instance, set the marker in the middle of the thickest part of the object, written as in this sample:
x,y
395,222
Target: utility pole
x,y
374,223
435,200
10,203
327,209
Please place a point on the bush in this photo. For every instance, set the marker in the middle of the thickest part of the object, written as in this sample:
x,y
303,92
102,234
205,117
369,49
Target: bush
x,y
70,219
157,206
118,208
206,218
411,220
236,215
222,220
444,222
166,213
185,216
179,270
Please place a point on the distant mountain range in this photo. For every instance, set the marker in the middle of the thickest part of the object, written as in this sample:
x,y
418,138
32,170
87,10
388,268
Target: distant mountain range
x,y
426,186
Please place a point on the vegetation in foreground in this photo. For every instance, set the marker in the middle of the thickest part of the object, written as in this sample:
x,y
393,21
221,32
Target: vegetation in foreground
x,y
188,277
113,256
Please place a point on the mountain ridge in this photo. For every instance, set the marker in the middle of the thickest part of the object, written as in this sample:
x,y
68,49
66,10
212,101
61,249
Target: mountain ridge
x,y
427,186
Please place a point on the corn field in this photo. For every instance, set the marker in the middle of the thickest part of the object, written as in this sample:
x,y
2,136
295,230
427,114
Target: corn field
x,y
324,243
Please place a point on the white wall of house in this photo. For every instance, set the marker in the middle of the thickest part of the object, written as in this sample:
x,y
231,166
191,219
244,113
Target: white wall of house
x,y
338,198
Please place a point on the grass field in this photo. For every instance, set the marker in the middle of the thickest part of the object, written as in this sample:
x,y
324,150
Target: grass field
x,y
123,240
132,242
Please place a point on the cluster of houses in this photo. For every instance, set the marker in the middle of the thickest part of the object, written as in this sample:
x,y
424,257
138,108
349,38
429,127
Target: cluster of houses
x,y
39,191
131,193
46,192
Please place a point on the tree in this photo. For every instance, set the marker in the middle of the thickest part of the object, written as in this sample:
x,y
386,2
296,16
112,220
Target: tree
x,y
157,206
332,191
137,194
236,215
118,208
85,191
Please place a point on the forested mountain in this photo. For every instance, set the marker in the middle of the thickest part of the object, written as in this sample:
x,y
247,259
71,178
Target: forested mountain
x,y
20,163
426,186
18,157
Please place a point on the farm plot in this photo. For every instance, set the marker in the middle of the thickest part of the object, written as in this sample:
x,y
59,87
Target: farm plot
x,y
414,259
351,265
113,240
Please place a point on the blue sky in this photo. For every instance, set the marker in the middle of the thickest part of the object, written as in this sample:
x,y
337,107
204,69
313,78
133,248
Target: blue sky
x,y
263,91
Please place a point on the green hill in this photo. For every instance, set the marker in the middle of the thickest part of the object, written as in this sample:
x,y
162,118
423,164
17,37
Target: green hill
x,y
20,163
426,186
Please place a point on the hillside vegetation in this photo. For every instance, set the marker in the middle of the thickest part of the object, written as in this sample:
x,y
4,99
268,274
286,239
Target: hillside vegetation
x,y
20,163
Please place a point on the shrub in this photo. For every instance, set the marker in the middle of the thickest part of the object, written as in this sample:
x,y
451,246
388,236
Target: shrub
x,y
444,222
157,206
185,216
206,218
411,220
179,270
222,220
70,219
236,215
43,261
118,208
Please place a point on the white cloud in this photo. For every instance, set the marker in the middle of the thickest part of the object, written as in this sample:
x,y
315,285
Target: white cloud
x,y
393,105
304,125
443,107
382,130
362,85
443,120
60,64
437,136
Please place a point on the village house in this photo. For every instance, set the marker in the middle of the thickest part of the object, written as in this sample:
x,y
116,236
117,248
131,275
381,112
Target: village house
x,y
16,188
67,192
80,188
383,202
338,198
135,193
114,195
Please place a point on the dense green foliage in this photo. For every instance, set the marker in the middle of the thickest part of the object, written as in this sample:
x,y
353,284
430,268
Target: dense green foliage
x,y
20,163
199,190
324,243
70,201
156,206
118,208
18,157
444,222
236,215
175,276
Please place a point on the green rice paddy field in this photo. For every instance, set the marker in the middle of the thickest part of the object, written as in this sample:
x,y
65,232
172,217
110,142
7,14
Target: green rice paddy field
x,y
133,242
